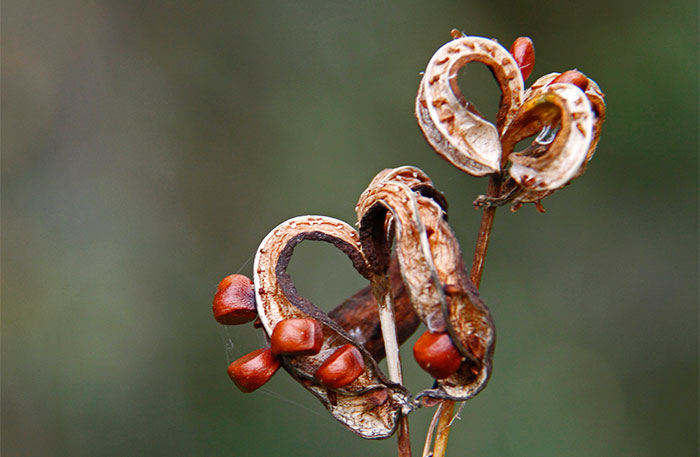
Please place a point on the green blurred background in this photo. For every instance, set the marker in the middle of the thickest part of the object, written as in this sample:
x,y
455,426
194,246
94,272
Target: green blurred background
x,y
148,147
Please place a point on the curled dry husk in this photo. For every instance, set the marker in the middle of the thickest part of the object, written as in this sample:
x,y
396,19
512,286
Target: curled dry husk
x,y
452,125
399,204
355,405
566,120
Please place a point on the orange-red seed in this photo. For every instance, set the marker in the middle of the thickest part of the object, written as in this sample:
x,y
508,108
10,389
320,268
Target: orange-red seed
x,y
234,302
297,337
341,368
436,354
523,51
253,370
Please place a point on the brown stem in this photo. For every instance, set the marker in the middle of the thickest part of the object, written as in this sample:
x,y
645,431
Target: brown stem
x,y
482,244
404,438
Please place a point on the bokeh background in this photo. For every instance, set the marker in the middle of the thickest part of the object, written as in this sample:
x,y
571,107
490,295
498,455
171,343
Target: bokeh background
x,y
148,147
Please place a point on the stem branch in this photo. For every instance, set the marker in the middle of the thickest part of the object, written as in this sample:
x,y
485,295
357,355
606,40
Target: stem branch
x,y
446,410
382,292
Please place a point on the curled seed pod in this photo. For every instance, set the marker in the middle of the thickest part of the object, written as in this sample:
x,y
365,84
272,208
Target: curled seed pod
x,y
436,354
234,302
343,367
354,405
568,127
433,273
523,51
253,370
297,337
562,115
452,126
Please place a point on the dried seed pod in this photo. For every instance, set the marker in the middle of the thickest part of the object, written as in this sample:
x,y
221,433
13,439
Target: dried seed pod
x,y
452,126
234,302
436,354
595,97
568,128
431,264
343,367
297,337
523,51
277,300
253,370
562,115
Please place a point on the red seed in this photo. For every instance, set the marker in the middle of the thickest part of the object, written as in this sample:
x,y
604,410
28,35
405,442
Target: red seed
x,y
523,51
253,370
574,77
297,337
341,368
436,354
234,302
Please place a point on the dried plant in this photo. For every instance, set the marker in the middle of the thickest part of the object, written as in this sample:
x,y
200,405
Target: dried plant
x,y
407,251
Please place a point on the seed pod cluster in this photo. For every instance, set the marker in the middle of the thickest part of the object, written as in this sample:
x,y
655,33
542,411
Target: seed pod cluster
x,y
564,112
335,356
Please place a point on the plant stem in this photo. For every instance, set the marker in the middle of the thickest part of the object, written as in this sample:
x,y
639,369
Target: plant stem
x,y
382,292
446,410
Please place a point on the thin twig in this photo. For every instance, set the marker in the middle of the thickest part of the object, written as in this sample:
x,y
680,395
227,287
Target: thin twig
x,y
431,429
482,245
387,320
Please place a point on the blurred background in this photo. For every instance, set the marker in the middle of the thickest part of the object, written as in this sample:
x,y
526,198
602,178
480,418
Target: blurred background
x,y
148,147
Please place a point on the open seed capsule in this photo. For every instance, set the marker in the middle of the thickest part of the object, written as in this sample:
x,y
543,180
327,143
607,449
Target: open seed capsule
x,y
341,368
436,354
297,337
253,370
234,302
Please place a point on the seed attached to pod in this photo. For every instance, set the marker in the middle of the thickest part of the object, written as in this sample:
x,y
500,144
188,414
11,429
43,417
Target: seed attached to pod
x,y
297,337
574,77
253,370
523,51
341,368
436,354
234,302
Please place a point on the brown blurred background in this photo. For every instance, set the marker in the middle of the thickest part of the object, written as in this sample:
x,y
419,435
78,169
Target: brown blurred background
x,y
148,147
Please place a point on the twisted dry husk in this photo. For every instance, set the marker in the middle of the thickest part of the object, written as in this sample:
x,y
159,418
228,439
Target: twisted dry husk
x,y
432,270
354,405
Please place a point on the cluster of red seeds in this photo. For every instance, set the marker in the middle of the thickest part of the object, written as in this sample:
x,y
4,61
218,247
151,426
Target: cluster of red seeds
x,y
234,304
